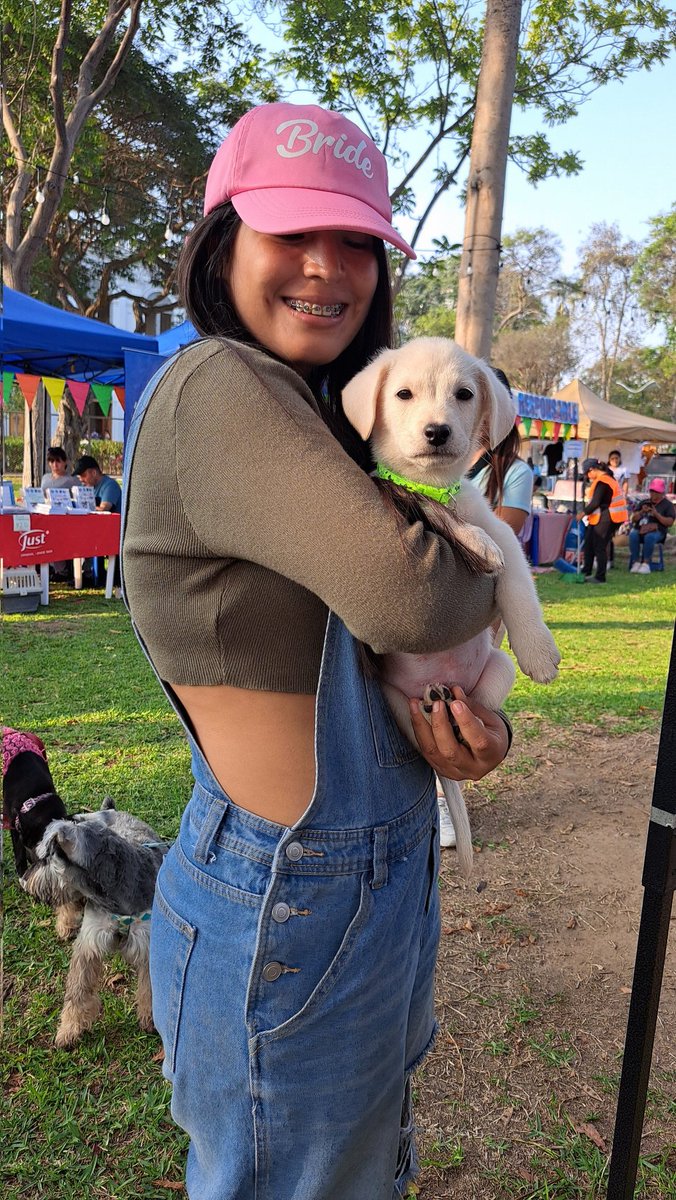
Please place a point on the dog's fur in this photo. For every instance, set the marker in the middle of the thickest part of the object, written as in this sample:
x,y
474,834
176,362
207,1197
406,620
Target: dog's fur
x,y
426,408
107,863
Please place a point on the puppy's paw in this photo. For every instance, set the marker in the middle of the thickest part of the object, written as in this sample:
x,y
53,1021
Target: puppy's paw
x,y
539,656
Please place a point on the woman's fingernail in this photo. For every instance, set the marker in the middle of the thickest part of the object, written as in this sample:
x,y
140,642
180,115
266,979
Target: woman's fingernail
x,y
436,707
413,705
457,708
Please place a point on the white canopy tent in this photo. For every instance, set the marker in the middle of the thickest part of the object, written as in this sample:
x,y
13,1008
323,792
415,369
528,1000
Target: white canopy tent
x,y
605,427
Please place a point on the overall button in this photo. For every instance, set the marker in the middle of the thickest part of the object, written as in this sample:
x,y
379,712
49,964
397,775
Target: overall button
x,y
272,971
294,851
281,912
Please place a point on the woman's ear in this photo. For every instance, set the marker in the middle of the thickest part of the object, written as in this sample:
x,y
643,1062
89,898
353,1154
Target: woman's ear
x,y
360,395
498,406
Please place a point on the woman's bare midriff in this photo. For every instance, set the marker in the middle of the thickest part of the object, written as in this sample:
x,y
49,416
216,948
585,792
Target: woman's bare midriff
x,y
259,745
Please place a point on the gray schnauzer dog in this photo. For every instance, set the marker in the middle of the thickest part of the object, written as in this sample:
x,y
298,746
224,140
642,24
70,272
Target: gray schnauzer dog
x,y
105,863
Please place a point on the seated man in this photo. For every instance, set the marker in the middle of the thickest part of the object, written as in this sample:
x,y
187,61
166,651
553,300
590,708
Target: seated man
x,y
649,527
108,497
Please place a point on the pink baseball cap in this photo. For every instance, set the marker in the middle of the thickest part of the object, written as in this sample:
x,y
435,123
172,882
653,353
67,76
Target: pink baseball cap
x,y
288,168
656,485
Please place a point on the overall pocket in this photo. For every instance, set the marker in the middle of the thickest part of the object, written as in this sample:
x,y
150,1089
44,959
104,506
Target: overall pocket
x,y
171,944
319,961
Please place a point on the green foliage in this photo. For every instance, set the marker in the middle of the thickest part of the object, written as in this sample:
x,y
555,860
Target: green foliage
x,y
142,153
425,305
655,274
414,67
13,454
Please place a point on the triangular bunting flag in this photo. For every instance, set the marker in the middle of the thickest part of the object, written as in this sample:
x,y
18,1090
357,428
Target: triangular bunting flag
x,y
7,385
104,395
79,391
119,392
55,389
557,430
527,422
29,385
566,431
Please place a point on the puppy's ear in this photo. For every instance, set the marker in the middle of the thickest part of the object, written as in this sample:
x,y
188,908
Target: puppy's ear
x,y
498,407
360,395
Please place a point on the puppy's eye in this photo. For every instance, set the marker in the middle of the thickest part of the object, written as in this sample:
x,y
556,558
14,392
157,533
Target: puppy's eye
x,y
405,394
464,394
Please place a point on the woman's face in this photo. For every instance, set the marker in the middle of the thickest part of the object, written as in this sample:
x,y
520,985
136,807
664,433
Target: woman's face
x,y
304,296
57,466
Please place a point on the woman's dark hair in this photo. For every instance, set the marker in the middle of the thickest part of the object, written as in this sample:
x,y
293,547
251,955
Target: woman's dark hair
x,y
203,288
55,453
501,459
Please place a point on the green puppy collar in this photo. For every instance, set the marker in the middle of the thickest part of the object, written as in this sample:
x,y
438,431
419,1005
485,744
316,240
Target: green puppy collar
x,y
442,494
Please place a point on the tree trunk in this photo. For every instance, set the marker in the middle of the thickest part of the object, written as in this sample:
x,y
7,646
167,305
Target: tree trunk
x,y
486,188
71,428
36,422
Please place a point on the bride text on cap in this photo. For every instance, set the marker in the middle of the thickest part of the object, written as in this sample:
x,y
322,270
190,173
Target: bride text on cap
x,y
349,153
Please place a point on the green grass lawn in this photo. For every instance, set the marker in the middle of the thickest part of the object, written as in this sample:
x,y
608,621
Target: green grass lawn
x,y
95,1122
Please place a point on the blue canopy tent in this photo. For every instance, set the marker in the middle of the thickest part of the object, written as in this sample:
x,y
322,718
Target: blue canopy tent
x,y
38,339
140,368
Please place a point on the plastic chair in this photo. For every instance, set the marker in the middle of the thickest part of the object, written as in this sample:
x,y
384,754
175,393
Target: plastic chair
x,y
659,551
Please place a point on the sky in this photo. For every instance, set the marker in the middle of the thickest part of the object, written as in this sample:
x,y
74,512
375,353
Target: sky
x,y
625,136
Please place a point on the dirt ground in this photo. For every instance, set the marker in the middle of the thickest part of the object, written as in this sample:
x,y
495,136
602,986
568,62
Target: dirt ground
x,y
535,972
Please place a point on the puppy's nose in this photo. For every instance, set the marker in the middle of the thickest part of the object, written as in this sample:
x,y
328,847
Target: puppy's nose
x,y
437,435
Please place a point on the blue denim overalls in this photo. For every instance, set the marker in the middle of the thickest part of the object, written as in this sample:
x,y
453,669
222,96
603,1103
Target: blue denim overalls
x,y
293,968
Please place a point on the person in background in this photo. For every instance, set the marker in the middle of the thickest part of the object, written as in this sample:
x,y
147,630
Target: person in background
x,y
505,480
107,491
606,508
108,497
553,453
621,474
649,527
57,475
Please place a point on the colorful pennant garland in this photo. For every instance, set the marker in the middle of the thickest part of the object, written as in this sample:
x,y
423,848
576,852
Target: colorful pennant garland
x,y
7,385
79,392
78,389
54,388
29,385
104,395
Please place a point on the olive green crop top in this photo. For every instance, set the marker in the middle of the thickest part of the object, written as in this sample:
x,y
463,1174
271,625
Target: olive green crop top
x,y
247,520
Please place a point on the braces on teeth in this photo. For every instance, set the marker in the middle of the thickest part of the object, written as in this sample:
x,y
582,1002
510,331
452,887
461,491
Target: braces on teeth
x,y
317,310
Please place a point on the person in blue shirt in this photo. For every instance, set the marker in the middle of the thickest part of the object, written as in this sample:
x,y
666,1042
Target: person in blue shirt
x,y
108,497
107,492
504,478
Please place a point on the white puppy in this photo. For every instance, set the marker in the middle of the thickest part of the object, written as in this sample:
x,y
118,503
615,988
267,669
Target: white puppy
x,y
425,408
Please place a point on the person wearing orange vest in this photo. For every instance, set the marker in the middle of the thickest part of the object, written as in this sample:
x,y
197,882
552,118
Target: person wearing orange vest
x,y
606,509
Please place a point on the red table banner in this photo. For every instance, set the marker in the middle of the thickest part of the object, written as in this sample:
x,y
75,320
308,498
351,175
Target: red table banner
x,y
52,538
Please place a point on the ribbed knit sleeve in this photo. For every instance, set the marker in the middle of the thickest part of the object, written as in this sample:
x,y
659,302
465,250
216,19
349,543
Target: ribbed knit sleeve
x,y
262,479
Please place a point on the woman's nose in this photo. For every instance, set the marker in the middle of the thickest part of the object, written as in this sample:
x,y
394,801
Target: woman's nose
x,y
324,256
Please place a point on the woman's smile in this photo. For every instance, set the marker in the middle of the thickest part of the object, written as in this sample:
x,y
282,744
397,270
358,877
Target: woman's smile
x,y
304,296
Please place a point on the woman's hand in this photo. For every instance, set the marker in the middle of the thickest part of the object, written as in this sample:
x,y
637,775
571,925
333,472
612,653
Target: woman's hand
x,y
482,729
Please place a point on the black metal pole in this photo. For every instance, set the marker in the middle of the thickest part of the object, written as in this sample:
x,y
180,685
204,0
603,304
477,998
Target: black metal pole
x,y
659,881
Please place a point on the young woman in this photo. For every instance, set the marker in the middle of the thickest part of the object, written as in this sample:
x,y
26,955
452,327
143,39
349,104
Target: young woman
x,y
296,919
504,478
